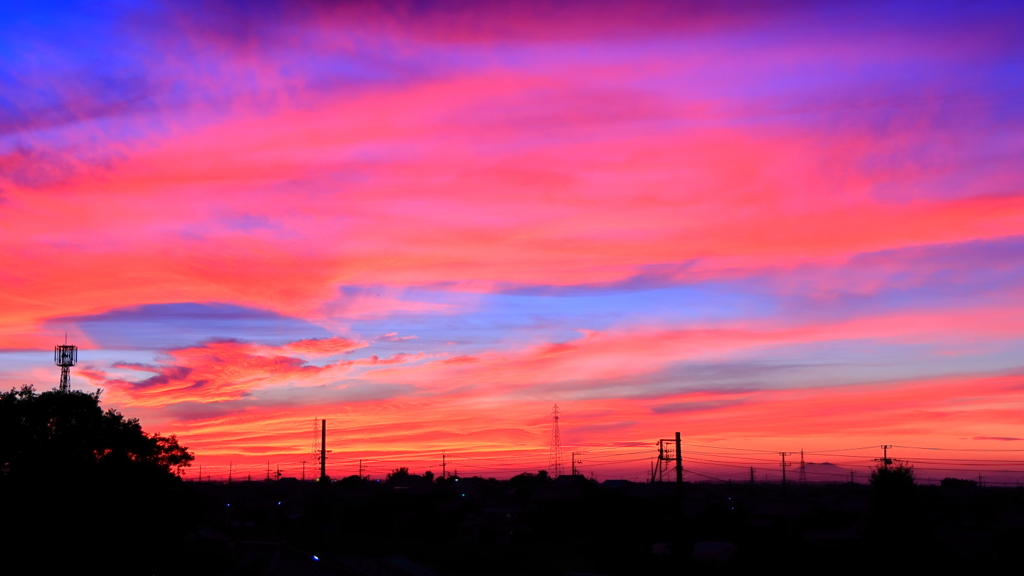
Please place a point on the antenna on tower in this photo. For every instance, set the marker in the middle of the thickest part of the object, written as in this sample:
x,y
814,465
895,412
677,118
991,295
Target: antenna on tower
x,y
555,457
803,469
65,356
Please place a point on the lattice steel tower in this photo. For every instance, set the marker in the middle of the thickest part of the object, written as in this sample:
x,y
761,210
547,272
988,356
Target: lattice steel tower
x,y
65,356
555,457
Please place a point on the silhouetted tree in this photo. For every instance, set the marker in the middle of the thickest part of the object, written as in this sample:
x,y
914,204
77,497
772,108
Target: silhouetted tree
x,y
73,474
527,483
398,474
958,483
68,433
895,477
351,481
896,517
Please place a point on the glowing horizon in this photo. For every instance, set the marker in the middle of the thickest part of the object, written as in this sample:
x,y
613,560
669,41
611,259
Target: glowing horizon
x,y
777,226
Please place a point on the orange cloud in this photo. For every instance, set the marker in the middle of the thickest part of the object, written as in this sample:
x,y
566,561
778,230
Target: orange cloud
x,y
323,346
219,371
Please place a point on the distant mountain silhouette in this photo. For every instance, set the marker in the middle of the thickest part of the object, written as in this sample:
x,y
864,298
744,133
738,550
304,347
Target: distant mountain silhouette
x,y
828,472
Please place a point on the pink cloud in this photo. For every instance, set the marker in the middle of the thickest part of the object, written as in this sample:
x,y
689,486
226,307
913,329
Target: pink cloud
x,y
474,147
220,371
323,346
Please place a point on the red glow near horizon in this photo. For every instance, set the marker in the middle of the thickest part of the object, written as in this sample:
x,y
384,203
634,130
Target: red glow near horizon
x,y
773,230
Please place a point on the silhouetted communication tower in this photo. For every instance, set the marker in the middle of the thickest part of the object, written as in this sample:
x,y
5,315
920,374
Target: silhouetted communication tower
x,y
803,469
65,356
555,457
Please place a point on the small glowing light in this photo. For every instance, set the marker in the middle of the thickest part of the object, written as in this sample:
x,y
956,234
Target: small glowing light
x,y
463,495
229,505
315,558
278,503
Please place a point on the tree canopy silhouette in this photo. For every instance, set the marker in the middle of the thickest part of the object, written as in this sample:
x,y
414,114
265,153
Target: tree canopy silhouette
x,y
68,433
397,474
896,512
74,476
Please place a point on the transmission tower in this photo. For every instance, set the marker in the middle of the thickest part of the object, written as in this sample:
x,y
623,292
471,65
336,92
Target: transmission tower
x,y
803,469
555,457
65,356
314,447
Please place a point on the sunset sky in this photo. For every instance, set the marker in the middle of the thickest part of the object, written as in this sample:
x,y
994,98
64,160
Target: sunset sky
x,y
769,226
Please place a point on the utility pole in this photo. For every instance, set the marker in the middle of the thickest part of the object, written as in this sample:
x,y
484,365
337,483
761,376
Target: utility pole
x,y
803,470
230,465
303,470
784,466
665,457
885,456
661,458
575,462
278,471
679,460
851,477
360,468
444,464
268,471
323,451
751,475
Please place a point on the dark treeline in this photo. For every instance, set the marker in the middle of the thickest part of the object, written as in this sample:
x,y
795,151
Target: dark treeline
x,y
88,491
532,524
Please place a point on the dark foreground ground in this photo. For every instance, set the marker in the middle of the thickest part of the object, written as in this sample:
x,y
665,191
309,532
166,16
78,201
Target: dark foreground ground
x,y
530,525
